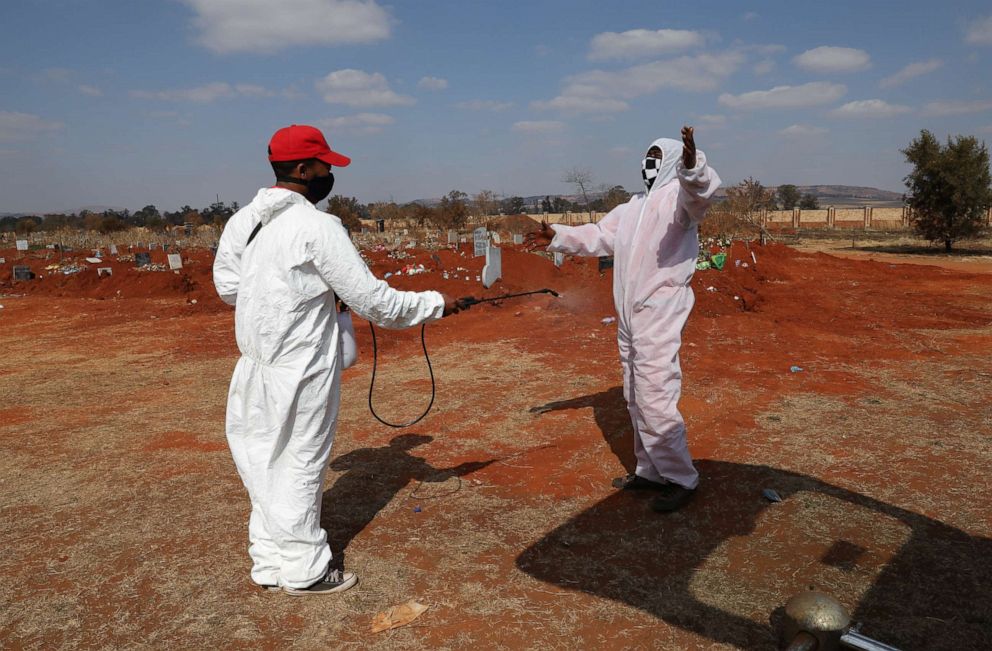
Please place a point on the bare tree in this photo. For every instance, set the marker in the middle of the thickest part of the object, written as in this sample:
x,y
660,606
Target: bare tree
x,y
747,200
581,178
485,203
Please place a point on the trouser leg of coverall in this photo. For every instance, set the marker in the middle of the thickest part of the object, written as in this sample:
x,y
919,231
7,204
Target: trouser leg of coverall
x,y
649,347
281,446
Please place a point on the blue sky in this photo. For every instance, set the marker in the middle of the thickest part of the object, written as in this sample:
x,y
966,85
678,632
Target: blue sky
x,y
126,103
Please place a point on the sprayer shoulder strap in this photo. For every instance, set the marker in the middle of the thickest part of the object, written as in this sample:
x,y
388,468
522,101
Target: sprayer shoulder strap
x,y
254,232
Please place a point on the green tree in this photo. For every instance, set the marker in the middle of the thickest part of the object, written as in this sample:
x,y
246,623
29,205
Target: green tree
x,y
25,225
451,211
788,196
610,198
513,206
809,202
950,188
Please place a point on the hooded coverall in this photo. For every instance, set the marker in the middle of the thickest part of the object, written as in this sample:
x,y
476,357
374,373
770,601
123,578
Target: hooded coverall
x,y
283,401
655,241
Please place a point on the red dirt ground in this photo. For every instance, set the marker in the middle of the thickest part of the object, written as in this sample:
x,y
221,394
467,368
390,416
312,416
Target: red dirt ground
x,y
861,330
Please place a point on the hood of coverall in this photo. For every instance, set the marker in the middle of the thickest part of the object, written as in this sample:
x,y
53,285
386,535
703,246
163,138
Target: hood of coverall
x,y
671,150
271,201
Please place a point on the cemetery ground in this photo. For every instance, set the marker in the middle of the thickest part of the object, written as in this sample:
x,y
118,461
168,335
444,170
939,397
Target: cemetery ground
x,y
124,521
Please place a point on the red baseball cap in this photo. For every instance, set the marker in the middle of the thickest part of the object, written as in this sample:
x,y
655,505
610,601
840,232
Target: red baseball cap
x,y
299,142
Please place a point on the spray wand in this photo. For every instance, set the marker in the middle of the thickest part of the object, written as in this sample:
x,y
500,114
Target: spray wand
x,y
463,303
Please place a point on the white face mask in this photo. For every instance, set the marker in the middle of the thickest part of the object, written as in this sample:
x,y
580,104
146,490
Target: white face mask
x,y
650,168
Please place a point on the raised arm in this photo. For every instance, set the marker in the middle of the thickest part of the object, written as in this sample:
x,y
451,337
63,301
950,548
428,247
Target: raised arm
x,y
697,180
342,268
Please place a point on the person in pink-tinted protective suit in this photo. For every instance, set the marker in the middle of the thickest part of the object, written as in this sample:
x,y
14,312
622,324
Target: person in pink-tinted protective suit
x,y
655,243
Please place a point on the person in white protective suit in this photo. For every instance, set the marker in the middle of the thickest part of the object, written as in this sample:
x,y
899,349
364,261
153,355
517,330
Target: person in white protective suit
x,y
654,238
282,263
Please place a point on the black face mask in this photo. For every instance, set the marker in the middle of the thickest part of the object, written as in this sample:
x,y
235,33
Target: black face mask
x,y
318,187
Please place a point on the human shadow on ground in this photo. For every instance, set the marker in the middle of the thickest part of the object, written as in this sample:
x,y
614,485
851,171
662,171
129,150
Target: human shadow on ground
x,y
934,593
372,479
609,409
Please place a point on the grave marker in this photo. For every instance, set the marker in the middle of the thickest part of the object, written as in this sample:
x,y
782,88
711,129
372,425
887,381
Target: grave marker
x,y
480,237
22,245
497,239
175,261
493,270
113,249
452,237
518,238
104,271
605,262
142,259
23,272
559,258
3,260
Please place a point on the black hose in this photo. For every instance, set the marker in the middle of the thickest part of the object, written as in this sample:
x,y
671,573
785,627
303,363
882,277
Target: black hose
x,y
375,362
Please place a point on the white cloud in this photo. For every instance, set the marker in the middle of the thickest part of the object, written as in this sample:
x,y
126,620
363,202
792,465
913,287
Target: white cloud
x,y
869,108
802,131
432,83
979,32
711,121
25,126
358,123
811,94
264,26
764,67
911,71
826,59
359,89
484,105
538,126
598,91
749,16
212,92
638,43
253,90
957,107
92,91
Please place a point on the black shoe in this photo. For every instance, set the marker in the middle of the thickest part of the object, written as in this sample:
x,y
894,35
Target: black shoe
x,y
633,482
672,498
335,581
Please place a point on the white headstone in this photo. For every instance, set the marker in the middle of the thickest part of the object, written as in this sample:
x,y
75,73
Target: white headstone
x,y
104,271
559,258
518,238
3,260
497,239
480,237
175,261
113,249
22,245
463,240
452,237
493,270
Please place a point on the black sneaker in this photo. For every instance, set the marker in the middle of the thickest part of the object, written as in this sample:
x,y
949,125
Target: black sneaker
x,y
672,498
335,581
633,482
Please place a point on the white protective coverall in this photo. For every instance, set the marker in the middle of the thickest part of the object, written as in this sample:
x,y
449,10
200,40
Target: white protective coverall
x,y
655,241
283,401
